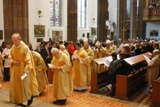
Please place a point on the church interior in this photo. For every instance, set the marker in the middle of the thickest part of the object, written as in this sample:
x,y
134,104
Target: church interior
x,y
39,21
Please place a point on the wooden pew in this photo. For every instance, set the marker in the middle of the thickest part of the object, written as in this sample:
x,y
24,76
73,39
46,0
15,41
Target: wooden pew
x,y
126,83
156,93
98,79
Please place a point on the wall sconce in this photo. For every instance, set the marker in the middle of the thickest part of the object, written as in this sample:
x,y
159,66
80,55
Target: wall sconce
x,y
93,20
40,13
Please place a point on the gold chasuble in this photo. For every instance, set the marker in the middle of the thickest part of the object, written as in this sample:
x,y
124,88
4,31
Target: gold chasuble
x,y
71,70
22,90
90,68
109,50
66,52
80,68
99,53
62,84
40,68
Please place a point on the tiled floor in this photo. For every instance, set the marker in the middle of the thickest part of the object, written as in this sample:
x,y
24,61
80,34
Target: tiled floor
x,y
76,99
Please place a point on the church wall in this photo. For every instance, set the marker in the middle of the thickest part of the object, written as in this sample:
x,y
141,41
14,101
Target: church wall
x,y
91,13
150,27
43,5
1,20
112,8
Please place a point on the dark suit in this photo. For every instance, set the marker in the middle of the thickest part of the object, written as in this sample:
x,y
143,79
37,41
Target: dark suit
x,y
39,51
114,67
45,54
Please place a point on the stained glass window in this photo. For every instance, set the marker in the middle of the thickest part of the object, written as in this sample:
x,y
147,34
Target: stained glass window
x,y
82,9
55,13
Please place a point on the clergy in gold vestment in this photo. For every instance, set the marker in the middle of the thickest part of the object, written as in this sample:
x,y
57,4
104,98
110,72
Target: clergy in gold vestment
x,y
21,60
63,49
62,84
40,68
108,48
99,52
80,67
113,47
90,53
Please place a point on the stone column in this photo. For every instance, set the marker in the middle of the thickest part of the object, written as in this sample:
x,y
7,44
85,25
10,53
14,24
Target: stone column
x,y
133,19
16,19
72,20
121,10
102,16
141,23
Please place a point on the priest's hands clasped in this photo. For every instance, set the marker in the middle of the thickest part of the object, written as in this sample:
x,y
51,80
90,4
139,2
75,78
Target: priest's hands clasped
x,y
16,63
56,68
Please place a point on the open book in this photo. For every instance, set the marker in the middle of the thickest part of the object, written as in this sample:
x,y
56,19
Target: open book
x,y
147,59
106,62
23,76
75,56
53,66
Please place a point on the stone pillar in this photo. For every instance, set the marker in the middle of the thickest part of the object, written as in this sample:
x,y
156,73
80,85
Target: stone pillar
x,y
133,19
121,10
102,16
16,19
140,27
72,20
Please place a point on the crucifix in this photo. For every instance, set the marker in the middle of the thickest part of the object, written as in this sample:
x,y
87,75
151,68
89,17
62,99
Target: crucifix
x,y
123,34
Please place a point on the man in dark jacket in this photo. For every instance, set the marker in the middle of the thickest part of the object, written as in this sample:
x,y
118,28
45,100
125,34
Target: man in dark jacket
x,y
113,70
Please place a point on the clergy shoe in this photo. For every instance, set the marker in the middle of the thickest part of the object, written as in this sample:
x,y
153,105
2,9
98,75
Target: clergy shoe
x,y
56,102
22,105
30,101
83,90
40,93
75,90
62,102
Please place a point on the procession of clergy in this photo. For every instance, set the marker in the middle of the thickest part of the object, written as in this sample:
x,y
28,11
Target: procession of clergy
x,y
72,64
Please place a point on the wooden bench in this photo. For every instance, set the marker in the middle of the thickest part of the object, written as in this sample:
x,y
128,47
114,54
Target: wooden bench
x,y
156,93
126,83
98,79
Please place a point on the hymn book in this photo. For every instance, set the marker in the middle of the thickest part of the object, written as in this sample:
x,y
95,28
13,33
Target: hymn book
x,y
53,67
147,59
23,76
77,57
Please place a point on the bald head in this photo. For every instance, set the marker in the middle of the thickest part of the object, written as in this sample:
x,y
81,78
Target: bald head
x,y
62,47
55,52
16,38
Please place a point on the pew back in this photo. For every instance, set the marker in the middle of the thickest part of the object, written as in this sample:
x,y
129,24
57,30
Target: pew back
x,y
126,83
